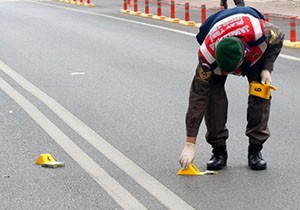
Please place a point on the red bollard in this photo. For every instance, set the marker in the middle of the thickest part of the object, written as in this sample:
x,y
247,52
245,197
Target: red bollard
x,y
172,18
172,11
89,4
147,11
293,29
292,43
203,13
135,5
159,12
125,7
147,6
128,2
266,17
80,2
187,11
135,8
187,21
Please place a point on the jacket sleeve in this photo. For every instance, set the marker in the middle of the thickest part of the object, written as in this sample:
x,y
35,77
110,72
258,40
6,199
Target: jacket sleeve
x,y
198,98
274,38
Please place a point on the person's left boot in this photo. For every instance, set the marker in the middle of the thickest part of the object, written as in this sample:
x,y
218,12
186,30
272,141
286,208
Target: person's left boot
x,y
218,159
255,159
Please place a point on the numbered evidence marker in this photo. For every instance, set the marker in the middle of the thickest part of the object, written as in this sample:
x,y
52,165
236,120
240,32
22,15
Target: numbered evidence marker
x,y
46,160
261,90
192,170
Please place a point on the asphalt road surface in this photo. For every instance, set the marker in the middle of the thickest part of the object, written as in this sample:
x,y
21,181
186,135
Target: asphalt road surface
x,y
106,93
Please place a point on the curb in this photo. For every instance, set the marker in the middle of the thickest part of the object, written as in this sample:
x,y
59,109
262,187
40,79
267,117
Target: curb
x,y
289,44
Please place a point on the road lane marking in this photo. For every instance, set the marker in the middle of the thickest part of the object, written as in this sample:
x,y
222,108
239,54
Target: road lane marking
x,y
149,183
77,73
111,186
289,57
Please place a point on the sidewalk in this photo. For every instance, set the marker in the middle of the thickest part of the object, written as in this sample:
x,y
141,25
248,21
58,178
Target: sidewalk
x,y
275,8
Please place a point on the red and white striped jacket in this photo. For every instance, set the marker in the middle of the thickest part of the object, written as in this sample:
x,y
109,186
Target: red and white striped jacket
x,y
244,26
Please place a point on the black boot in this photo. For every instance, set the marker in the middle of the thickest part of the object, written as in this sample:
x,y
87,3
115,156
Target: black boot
x,y
255,159
223,3
218,159
239,3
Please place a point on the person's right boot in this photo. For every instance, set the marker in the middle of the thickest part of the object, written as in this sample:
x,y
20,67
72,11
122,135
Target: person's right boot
x,y
255,159
218,159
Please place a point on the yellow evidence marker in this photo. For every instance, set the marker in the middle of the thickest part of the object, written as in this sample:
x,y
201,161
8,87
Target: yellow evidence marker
x,y
192,170
261,90
46,160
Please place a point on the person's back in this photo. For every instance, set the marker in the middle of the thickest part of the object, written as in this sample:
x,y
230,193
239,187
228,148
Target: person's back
x,y
238,3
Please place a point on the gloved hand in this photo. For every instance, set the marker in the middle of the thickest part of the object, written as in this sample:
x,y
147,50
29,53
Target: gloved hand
x,y
187,155
265,76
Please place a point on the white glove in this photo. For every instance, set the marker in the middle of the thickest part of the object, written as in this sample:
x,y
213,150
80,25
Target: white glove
x,y
265,77
187,155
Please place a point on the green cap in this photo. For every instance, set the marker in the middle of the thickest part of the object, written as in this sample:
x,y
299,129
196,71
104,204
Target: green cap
x,y
229,52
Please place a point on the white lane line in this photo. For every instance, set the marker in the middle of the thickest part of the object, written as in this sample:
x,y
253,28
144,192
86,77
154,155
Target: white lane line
x,y
289,57
77,73
111,186
149,183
